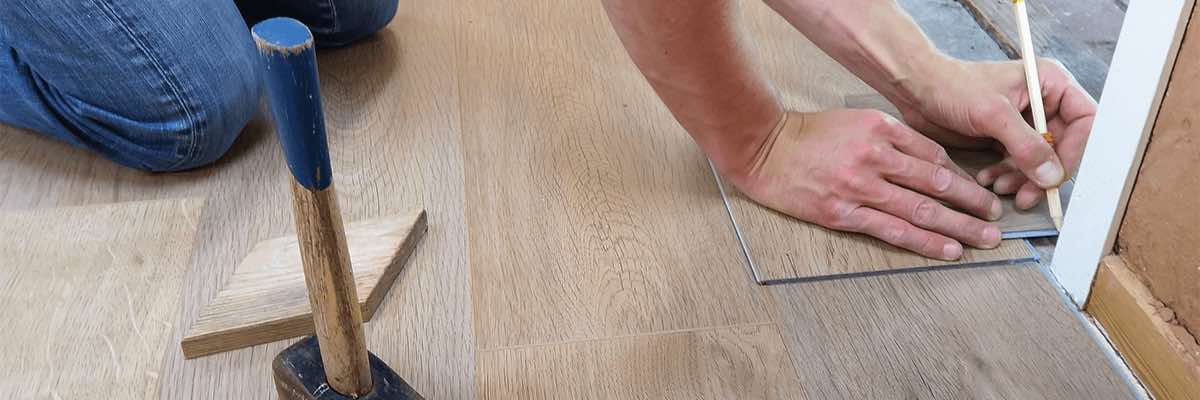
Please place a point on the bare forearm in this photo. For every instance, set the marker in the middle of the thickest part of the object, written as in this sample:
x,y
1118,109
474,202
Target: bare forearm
x,y
874,39
695,57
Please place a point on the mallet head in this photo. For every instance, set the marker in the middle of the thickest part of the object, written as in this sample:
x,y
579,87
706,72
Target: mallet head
x,y
299,375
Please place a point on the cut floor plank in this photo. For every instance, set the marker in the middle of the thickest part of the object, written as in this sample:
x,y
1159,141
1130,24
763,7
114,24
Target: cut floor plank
x,y
738,362
993,332
783,249
591,213
90,297
1081,34
266,298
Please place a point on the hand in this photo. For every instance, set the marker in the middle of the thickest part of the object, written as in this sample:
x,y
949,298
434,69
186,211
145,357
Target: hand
x,y
863,171
967,104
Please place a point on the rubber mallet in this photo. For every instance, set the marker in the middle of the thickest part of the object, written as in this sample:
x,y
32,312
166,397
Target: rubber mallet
x,y
335,363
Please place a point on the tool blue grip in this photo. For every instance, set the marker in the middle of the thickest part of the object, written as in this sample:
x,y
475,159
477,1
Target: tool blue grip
x,y
294,95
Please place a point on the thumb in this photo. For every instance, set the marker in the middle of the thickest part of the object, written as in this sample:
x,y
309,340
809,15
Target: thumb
x,y
1029,152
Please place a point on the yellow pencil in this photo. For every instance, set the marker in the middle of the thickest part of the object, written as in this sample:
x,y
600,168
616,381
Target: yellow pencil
x,y
1035,100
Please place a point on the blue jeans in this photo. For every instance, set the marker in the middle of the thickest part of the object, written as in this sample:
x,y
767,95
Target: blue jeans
x,y
158,85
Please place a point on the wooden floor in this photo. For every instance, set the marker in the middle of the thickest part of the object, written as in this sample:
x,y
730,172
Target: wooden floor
x,y
578,244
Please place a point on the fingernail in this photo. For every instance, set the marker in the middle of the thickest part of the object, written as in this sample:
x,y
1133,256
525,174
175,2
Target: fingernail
x,y
952,251
991,236
996,210
1049,173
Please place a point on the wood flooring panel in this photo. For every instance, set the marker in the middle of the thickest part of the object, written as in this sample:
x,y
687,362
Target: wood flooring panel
x,y
740,362
993,332
90,297
591,212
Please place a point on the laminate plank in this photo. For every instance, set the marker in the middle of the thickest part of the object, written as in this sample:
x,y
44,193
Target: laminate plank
x,y
592,214
740,362
992,332
93,321
1081,34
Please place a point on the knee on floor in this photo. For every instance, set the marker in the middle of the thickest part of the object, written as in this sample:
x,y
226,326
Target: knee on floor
x,y
215,105
356,19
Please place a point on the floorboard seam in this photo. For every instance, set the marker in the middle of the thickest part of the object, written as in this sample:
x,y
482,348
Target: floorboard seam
x,y
1096,332
627,336
737,231
1033,257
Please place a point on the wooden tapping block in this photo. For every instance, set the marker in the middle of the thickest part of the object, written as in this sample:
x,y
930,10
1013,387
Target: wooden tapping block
x,y
265,299
1164,355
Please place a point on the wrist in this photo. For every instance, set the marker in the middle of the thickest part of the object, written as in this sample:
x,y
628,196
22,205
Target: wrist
x,y
917,77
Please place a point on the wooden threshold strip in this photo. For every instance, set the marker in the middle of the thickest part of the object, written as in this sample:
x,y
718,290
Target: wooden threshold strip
x,y
1161,352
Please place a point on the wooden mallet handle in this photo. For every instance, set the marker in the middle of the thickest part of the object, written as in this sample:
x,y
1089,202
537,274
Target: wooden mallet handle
x,y
294,95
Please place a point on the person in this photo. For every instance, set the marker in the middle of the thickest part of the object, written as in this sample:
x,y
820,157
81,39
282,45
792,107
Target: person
x,y
162,85
859,170
175,81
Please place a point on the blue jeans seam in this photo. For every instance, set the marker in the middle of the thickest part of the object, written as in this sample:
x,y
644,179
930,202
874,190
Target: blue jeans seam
x,y
168,78
333,14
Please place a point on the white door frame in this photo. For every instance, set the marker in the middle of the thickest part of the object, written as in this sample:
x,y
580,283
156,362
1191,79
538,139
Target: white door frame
x,y
1137,78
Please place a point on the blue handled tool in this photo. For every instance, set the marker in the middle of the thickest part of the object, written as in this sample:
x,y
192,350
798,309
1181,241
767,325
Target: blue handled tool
x,y
337,357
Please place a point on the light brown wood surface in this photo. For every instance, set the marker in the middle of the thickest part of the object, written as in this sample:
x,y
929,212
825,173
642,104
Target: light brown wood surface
x,y
595,227
1159,232
89,297
591,213
735,362
1164,355
266,299
998,332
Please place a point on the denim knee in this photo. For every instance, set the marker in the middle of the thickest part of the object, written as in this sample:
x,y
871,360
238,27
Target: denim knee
x,y
225,101
352,20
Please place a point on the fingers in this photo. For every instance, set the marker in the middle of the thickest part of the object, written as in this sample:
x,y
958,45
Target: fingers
x,y
1029,152
929,214
988,175
901,233
917,145
1028,196
1009,183
939,182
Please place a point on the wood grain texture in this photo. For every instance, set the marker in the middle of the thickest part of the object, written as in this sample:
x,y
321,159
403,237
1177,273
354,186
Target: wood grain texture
x,y
591,212
1081,34
1159,233
737,362
392,119
1164,355
90,296
331,289
992,332
266,300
